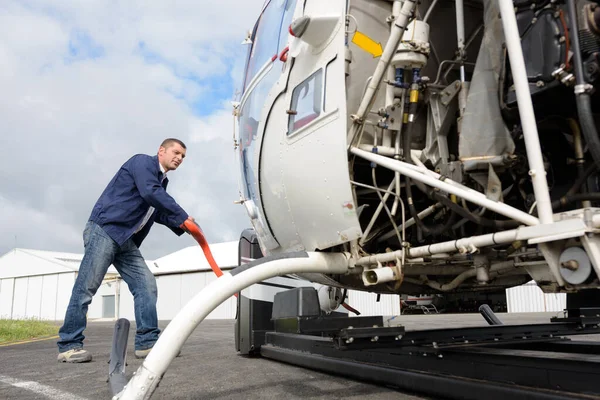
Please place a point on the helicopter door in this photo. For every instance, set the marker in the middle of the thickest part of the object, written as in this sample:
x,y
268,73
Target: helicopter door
x,y
262,72
304,155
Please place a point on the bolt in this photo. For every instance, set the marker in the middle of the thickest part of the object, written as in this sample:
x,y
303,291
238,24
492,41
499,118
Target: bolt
x,y
540,84
571,265
350,340
561,39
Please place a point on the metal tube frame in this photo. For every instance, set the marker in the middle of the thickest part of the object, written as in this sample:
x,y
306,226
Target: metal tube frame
x,y
468,194
420,173
530,133
377,212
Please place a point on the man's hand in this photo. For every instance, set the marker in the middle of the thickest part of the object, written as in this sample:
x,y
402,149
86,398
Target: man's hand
x,y
190,223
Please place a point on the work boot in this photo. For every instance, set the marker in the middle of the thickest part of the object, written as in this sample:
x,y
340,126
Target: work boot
x,y
145,352
75,356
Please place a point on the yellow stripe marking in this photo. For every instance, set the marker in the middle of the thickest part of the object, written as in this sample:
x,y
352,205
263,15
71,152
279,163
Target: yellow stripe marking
x,y
27,341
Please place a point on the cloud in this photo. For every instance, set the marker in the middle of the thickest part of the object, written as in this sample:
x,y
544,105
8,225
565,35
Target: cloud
x,y
85,85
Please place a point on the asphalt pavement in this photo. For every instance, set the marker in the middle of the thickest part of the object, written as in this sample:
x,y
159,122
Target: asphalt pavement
x,y
208,368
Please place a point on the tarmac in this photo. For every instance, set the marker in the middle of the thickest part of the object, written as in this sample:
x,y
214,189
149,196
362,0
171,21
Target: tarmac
x,y
208,368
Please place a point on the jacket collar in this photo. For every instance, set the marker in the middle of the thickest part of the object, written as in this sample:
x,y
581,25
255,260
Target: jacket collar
x,y
160,170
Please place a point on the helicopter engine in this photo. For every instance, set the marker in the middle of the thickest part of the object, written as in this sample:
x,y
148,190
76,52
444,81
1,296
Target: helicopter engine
x,y
427,140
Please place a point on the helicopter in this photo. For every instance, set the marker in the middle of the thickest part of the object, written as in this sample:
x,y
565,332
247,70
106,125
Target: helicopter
x,y
436,162
409,147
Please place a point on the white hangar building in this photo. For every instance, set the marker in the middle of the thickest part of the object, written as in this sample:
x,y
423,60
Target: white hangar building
x,y
38,284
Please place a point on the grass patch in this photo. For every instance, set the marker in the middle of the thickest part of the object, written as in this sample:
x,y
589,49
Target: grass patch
x,y
14,330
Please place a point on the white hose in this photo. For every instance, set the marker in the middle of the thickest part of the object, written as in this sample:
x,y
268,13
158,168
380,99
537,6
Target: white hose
x,y
148,375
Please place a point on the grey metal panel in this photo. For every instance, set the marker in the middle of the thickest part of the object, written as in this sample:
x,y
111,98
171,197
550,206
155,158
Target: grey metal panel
x,y
6,297
63,294
225,310
366,303
20,298
371,16
108,306
49,289
484,133
530,298
169,296
126,308
95,309
34,297
191,285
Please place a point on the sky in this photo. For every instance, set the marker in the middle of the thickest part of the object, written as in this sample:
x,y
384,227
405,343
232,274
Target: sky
x,y
84,85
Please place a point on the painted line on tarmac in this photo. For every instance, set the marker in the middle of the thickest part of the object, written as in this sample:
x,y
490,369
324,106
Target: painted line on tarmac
x,y
27,341
48,391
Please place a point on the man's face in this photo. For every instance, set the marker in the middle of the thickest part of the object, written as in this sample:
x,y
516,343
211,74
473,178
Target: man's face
x,y
171,157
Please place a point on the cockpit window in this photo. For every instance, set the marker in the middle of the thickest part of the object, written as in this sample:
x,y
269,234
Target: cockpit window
x,y
265,40
269,37
307,102
290,6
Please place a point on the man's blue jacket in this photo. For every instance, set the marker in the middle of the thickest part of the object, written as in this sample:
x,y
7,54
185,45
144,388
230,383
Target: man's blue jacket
x,y
128,196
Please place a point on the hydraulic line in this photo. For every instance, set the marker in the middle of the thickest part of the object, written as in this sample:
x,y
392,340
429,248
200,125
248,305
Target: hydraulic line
x,y
470,273
579,156
582,96
346,305
410,123
503,224
582,178
573,198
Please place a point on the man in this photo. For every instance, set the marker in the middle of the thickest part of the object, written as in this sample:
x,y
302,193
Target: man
x,y
119,222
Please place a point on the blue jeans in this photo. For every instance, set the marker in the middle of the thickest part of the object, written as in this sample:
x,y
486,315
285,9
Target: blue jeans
x,y
100,252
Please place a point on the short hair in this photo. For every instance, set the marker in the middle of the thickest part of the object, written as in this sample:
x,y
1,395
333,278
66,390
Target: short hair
x,y
169,142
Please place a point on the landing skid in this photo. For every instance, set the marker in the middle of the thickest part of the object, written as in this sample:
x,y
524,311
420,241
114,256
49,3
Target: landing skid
x,y
536,361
